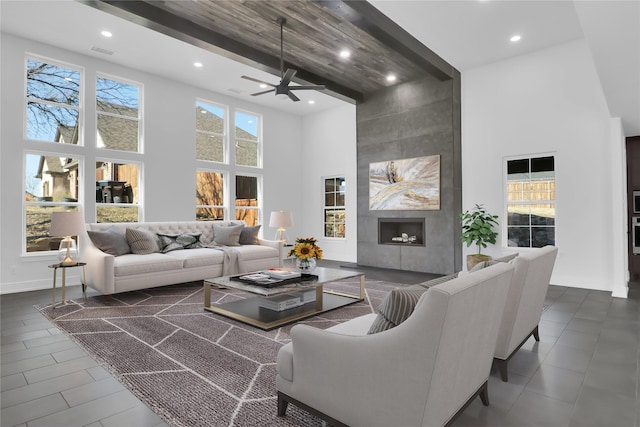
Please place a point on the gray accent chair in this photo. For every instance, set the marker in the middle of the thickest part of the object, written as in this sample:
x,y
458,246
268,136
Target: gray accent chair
x,y
422,372
525,300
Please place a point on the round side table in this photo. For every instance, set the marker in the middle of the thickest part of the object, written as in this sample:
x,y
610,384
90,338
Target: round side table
x,y
64,279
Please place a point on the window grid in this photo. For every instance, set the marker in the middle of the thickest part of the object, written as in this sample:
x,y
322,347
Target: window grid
x,y
211,132
334,210
210,195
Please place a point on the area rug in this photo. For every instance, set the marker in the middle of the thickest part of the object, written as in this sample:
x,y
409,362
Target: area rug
x,y
190,366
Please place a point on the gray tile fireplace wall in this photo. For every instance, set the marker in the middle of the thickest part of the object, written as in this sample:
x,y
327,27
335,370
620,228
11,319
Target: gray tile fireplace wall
x,y
414,119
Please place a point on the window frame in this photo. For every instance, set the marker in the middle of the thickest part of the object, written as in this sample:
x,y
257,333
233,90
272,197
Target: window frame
x,y
139,204
224,135
225,194
259,142
335,207
260,194
505,226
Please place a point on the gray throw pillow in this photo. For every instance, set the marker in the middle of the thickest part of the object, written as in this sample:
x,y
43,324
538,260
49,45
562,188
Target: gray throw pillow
x,y
438,280
173,242
396,307
227,235
142,241
110,241
249,235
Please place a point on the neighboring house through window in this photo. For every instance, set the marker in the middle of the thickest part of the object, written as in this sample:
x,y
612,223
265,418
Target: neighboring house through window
x,y
334,210
531,201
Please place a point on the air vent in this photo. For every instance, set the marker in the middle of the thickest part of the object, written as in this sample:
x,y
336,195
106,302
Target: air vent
x,y
238,91
101,50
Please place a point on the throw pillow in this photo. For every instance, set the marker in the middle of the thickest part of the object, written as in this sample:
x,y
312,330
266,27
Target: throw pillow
x,y
396,307
173,242
438,280
249,235
110,241
507,258
142,241
227,235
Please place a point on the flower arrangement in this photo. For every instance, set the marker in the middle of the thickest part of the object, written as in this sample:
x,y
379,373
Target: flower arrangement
x,y
306,248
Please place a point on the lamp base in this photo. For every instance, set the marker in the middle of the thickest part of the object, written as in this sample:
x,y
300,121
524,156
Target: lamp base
x,y
68,252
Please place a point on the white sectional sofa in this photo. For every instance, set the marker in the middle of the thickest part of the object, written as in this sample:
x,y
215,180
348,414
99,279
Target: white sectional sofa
x,y
112,269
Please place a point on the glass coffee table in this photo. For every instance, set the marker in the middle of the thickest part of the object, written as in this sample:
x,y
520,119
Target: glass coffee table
x,y
252,311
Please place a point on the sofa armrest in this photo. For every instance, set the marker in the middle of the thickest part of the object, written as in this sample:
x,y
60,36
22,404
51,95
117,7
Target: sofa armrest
x,y
99,271
276,244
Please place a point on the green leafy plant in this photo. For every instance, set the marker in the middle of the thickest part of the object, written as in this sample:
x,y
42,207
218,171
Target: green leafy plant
x,y
477,227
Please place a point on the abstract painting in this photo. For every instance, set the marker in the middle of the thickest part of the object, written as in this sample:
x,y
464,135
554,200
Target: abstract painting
x,y
406,184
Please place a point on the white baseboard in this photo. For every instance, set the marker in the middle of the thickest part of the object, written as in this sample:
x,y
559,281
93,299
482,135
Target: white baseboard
x,y
36,285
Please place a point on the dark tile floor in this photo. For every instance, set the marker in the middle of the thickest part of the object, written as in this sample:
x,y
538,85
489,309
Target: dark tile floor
x,y
583,372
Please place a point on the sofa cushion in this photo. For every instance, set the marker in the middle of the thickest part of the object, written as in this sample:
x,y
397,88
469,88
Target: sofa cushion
x,y
199,257
142,241
227,235
173,242
131,264
253,252
110,241
249,235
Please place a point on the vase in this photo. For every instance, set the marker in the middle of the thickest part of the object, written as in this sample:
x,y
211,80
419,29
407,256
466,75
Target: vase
x,y
306,266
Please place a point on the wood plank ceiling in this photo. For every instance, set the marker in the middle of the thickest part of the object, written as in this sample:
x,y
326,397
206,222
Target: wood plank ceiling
x,y
314,35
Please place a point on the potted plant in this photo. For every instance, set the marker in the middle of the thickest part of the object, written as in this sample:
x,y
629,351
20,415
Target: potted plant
x,y
477,229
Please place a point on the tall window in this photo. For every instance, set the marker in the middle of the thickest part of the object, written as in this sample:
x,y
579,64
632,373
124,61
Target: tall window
x,y
247,202
210,132
117,106
210,195
531,202
334,207
52,101
248,129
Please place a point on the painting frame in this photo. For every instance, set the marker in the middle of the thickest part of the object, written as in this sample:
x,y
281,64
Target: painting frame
x,y
405,184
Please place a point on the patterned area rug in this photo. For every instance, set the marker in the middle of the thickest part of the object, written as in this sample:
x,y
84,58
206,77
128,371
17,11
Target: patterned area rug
x,y
190,366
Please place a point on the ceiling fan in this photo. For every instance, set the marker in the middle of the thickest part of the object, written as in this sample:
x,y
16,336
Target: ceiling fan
x,y
283,87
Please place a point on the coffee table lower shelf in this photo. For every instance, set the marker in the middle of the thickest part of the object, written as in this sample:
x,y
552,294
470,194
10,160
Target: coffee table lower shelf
x,y
248,311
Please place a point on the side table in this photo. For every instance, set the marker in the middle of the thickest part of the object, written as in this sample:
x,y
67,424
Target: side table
x,y
64,279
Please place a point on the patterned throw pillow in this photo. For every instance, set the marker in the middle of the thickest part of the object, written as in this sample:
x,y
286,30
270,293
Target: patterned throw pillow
x,y
110,241
249,235
173,242
438,280
227,235
142,241
396,307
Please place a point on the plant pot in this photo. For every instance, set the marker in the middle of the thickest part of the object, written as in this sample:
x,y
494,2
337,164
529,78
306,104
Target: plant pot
x,y
306,266
474,259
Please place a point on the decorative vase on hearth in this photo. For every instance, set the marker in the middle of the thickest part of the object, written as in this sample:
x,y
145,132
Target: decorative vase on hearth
x,y
306,266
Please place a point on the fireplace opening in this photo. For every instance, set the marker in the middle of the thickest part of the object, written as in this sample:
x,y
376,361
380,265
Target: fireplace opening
x,y
401,231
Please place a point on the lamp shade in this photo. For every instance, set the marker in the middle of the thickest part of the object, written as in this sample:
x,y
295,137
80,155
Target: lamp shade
x,y
65,224
281,219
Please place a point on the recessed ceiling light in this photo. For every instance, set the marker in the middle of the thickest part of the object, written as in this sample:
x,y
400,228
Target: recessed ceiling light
x,y
106,33
311,101
197,64
515,38
263,86
391,78
345,53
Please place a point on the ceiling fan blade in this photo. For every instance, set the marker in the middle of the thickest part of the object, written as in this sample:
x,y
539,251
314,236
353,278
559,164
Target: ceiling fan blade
x,y
288,76
258,81
293,97
315,87
262,93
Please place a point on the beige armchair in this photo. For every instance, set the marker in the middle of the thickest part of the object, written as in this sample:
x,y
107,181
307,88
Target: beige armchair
x,y
532,272
420,373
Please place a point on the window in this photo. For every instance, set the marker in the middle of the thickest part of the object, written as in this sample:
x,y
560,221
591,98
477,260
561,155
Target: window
x,y
118,115
531,207
51,184
209,196
247,202
334,207
53,102
210,132
117,191
247,139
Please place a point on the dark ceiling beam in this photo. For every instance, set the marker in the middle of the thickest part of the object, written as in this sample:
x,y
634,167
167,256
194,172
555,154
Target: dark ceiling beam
x,y
154,18
369,19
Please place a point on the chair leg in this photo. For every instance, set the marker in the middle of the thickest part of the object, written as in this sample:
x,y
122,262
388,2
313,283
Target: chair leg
x,y
282,405
484,394
536,336
502,368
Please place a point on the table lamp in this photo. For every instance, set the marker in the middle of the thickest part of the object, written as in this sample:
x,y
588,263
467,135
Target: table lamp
x,y
281,220
67,224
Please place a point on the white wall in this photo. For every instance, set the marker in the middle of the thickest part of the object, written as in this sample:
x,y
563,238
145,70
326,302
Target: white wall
x,y
169,168
547,101
330,150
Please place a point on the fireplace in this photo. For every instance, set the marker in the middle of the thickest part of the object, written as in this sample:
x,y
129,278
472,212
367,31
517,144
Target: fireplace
x,y
401,231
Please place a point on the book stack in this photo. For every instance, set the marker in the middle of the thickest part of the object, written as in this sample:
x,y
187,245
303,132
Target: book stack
x,y
281,302
307,295
277,273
